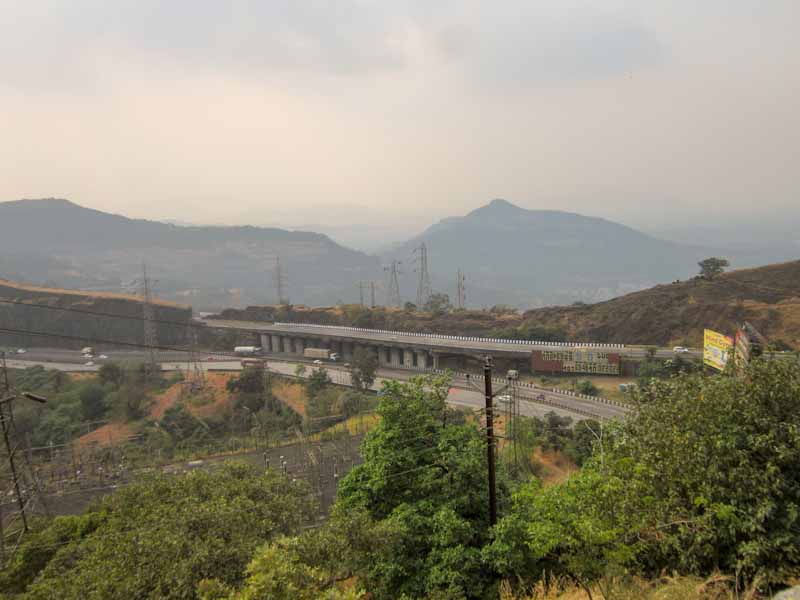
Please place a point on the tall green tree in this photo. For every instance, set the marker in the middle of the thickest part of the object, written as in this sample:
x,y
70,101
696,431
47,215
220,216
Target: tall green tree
x,y
317,381
423,480
363,366
92,402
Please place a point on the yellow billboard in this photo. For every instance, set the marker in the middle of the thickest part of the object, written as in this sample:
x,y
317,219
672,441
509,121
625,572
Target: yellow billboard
x,y
716,349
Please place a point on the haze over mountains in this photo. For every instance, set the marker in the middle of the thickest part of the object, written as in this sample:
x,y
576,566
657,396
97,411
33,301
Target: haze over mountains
x,y
529,258
510,255
56,242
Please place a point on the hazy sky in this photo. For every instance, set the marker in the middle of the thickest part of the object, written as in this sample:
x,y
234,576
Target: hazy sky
x,y
296,111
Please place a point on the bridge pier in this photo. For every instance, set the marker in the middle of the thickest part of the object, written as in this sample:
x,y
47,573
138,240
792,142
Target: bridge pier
x,y
395,357
299,345
275,346
347,351
408,358
422,359
265,342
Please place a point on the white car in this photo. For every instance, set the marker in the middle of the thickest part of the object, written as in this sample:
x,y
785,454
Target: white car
x,y
318,362
102,357
88,364
680,350
21,351
88,356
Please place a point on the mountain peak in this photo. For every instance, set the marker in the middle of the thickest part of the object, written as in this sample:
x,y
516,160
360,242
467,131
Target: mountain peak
x,y
497,206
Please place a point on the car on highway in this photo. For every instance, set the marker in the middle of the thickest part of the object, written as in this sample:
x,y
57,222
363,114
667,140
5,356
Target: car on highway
x,y
88,364
680,350
102,357
210,358
88,356
318,362
21,351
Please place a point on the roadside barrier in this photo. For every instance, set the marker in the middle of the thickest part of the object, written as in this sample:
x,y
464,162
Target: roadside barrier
x,y
455,338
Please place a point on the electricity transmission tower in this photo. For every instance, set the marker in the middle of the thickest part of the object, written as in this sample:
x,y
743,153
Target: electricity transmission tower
x,y
150,331
280,282
361,292
461,290
362,285
194,372
423,276
393,289
24,484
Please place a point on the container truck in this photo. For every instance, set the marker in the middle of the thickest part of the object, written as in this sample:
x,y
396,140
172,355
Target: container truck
x,y
246,350
320,354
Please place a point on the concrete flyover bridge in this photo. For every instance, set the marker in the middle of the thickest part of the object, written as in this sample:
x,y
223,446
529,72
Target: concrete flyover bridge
x,y
398,348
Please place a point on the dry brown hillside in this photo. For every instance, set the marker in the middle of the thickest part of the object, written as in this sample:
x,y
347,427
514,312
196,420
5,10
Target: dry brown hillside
x,y
768,297
676,313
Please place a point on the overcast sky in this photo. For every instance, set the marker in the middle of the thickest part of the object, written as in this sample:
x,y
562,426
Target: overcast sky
x,y
293,111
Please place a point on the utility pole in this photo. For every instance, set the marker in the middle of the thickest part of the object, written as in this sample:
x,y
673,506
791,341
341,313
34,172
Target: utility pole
x,y
372,294
461,291
150,332
280,281
489,398
393,289
423,276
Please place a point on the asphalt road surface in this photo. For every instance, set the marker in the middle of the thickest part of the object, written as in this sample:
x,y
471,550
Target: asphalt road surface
x,y
532,401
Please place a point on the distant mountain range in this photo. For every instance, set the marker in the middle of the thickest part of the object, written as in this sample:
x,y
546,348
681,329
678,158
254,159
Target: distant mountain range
x,y
510,255
530,258
58,243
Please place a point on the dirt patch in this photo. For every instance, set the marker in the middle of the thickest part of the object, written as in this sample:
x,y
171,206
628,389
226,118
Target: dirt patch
x,y
211,399
164,400
291,394
556,466
214,398
109,434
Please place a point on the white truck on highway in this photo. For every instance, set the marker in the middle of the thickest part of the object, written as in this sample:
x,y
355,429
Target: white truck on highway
x,y
320,354
247,350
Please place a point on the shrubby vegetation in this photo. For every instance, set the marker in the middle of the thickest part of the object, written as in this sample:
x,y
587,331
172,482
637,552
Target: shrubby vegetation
x,y
159,538
119,392
703,478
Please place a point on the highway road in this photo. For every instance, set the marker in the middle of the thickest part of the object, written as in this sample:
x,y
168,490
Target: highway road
x,y
533,401
434,342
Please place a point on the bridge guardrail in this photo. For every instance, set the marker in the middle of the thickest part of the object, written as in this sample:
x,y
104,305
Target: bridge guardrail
x,y
459,338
